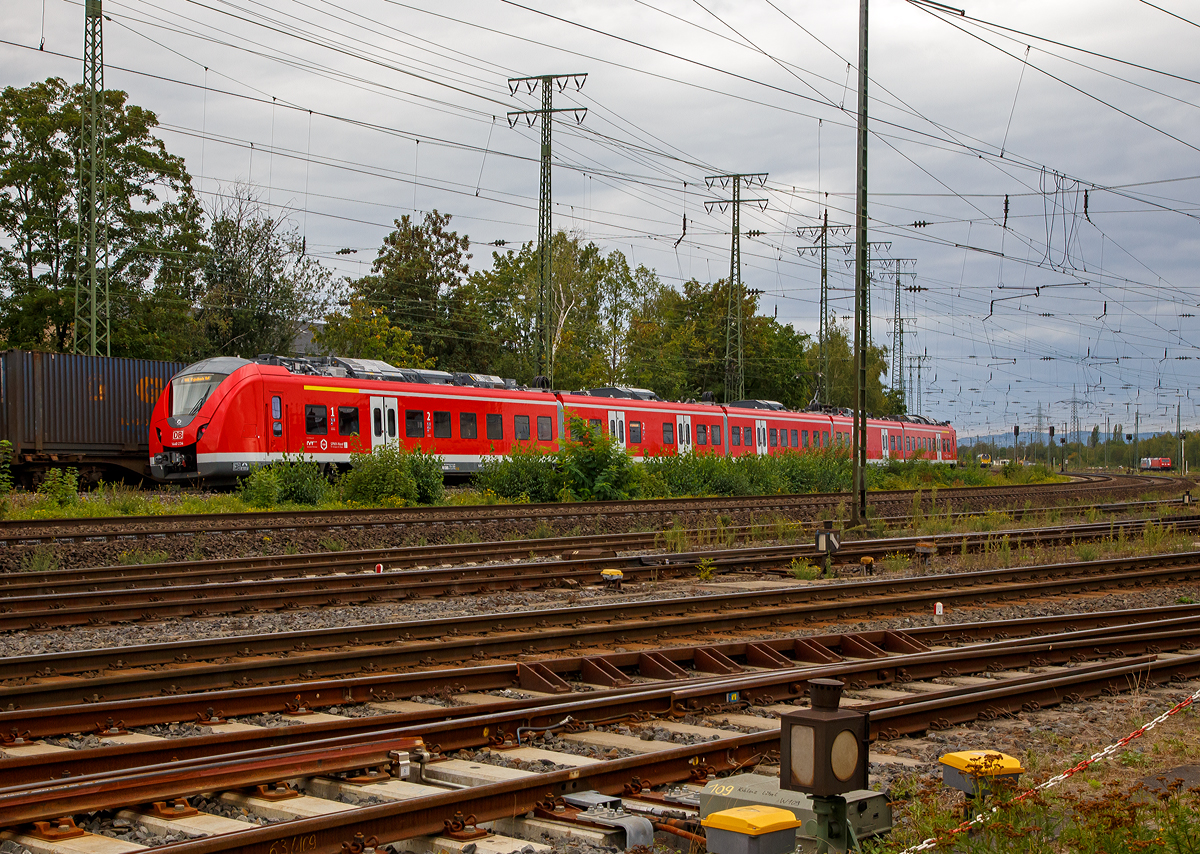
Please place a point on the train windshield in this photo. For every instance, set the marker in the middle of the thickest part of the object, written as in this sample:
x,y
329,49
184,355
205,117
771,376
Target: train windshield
x,y
189,392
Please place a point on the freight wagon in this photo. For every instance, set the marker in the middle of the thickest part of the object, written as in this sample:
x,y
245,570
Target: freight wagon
x,y
91,413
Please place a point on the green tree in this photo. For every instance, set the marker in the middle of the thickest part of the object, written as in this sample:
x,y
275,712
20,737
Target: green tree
x,y
364,332
154,224
259,288
415,279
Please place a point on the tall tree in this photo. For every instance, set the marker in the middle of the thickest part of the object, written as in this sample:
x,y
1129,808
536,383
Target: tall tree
x,y
259,288
363,331
415,280
154,223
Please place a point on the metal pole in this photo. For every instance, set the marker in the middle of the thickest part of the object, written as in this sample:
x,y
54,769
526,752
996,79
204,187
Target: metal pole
x,y
91,329
861,284
825,343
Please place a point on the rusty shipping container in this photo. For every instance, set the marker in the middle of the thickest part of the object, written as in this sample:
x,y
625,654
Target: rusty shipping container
x,y
87,412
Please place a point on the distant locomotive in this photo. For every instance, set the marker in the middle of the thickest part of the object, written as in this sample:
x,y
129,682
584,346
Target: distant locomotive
x,y
91,413
222,417
1155,464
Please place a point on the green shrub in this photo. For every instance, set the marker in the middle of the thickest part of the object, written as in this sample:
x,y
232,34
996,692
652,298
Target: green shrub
x,y
137,557
389,475
60,486
594,467
528,474
41,559
286,481
6,478
802,570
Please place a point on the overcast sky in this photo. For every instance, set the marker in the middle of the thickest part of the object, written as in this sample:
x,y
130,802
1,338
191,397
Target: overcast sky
x,y
348,114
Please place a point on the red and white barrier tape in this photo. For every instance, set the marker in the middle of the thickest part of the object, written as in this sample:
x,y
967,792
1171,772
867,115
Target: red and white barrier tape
x,y
934,841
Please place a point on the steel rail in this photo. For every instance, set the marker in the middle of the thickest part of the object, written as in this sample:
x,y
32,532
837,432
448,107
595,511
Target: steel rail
x,y
193,775
25,588
200,600
469,636
424,816
68,530
871,667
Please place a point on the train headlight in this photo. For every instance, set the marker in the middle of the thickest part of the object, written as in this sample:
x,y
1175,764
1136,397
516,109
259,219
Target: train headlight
x,y
200,432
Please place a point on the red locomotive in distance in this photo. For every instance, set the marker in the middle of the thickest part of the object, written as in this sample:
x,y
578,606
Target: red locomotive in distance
x,y
1155,464
219,418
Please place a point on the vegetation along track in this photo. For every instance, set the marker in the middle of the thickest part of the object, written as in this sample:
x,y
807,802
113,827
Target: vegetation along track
x,y
604,515
206,588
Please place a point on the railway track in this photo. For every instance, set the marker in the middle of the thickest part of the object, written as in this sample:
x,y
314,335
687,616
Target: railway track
x,y
334,757
209,588
34,532
292,667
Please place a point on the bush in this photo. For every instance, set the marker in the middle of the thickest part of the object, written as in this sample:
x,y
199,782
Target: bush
x,y
60,486
390,475
527,474
6,478
595,468
287,481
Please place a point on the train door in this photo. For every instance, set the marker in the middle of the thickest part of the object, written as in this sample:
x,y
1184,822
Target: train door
x,y
384,428
883,443
683,432
616,427
760,437
276,423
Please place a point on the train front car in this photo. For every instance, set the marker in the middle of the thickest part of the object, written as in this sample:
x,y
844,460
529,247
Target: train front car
x,y
192,415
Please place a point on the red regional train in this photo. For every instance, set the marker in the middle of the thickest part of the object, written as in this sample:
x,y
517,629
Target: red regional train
x,y
1155,464
219,418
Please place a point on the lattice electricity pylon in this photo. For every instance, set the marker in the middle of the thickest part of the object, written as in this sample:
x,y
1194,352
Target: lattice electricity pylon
x,y
874,266
735,368
543,348
822,233
90,334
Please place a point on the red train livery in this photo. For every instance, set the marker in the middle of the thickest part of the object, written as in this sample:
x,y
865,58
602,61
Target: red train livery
x,y
222,417
1155,464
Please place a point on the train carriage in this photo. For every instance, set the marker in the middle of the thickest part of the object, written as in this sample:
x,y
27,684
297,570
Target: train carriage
x,y
222,417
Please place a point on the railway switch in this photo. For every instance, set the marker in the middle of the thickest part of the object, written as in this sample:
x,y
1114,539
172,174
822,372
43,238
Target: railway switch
x,y
751,830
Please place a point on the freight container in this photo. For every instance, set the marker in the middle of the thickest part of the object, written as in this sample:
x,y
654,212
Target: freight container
x,y
91,413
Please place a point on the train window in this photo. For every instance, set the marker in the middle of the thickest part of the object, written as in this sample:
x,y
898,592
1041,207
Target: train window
x,y
893,443
495,425
735,436
774,437
277,428
612,427
668,433
621,428
468,426
378,421
803,438
347,420
825,443
594,423
414,423
715,433
545,428
701,434
441,425
316,420
635,432
391,423
687,431
276,407
520,427
783,439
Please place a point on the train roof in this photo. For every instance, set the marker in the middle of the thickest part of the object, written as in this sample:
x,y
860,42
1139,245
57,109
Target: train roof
x,y
379,370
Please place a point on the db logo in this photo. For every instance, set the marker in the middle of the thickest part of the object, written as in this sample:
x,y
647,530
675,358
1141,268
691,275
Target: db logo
x,y
324,445
177,435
